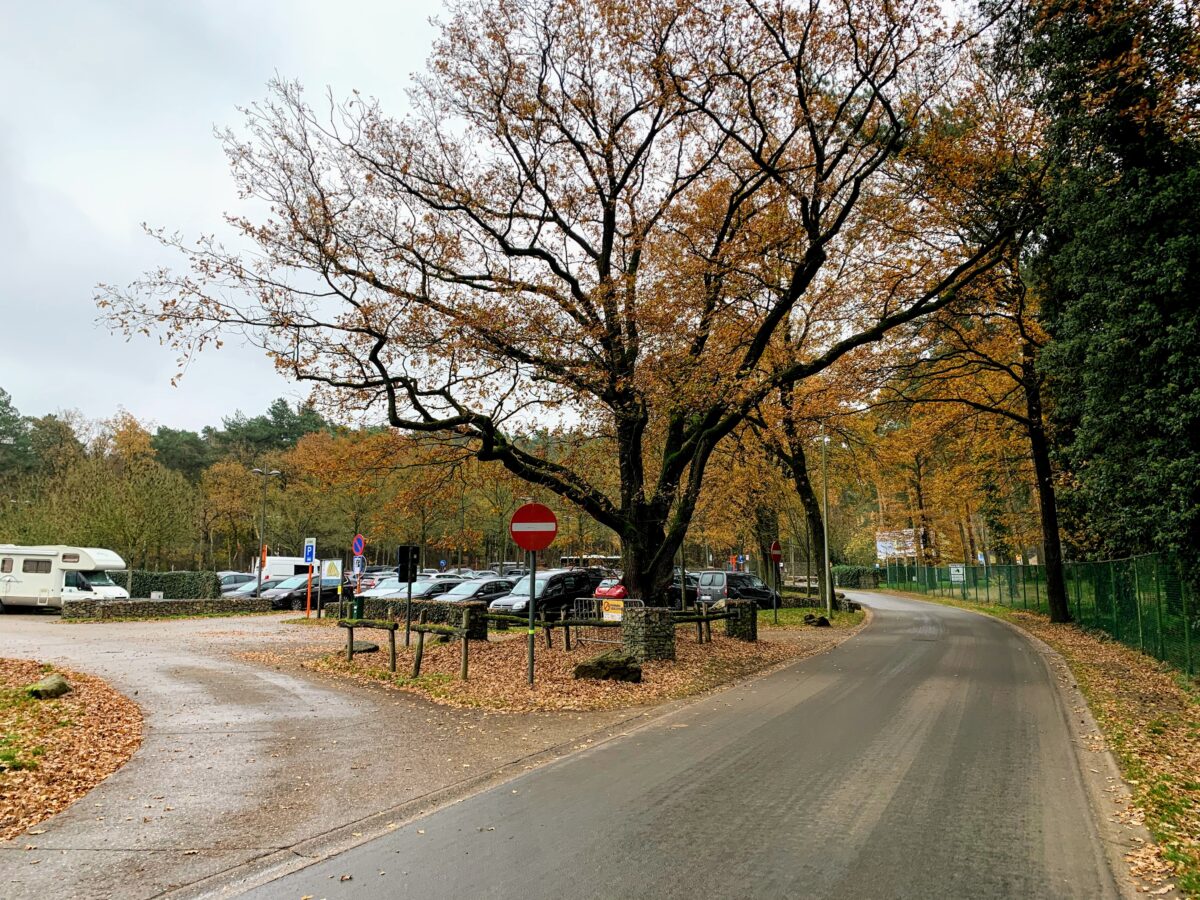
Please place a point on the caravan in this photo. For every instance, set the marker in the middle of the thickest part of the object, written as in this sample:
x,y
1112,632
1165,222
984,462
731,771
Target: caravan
x,y
45,576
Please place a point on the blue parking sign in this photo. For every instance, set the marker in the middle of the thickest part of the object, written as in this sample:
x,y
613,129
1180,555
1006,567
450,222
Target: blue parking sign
x,y
310,550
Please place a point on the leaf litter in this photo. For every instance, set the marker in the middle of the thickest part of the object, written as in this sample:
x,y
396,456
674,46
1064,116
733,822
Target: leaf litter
x,y
52,752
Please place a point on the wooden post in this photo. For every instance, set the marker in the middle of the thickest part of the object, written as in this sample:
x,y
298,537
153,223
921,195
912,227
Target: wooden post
x,y
349,645
566,632
707,631
546,628
392,650
699,632
420,647
466,624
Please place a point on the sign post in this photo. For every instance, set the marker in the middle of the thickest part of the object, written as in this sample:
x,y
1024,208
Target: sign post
x,y
533,528
330,568
776,556
310,556
358,545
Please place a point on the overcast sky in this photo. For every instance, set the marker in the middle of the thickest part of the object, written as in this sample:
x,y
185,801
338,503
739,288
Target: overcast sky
x,y
107,120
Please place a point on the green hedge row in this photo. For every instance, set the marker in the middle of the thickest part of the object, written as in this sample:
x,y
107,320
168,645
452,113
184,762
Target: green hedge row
x,y
176,585
856,576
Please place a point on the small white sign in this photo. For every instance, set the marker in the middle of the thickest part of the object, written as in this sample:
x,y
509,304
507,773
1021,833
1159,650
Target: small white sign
x,y
958,574
359,564
156,595
331,568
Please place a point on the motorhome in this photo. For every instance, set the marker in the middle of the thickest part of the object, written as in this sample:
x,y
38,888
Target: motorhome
x,y
45,576
281,567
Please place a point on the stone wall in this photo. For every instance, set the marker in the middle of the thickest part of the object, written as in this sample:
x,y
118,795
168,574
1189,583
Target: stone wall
x,y
157,609
648,632
437,612
745,626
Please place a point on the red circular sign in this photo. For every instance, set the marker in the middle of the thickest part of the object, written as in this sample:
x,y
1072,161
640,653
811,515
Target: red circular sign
x,y
776,551
533,527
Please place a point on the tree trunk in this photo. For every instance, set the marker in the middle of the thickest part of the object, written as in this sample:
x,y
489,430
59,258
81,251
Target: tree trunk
x,y
1056,586
812,513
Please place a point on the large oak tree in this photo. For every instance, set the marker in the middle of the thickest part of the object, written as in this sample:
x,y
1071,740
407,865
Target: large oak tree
x,y
599,215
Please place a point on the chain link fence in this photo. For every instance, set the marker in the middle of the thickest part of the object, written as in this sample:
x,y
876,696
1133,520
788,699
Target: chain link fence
x,y
1142,602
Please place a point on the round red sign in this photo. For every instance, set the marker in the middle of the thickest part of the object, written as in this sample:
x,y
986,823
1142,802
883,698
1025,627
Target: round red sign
x,y
533,527
776,551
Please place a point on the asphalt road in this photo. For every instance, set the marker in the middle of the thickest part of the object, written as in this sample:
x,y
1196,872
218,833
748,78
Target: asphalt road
x,y
929,757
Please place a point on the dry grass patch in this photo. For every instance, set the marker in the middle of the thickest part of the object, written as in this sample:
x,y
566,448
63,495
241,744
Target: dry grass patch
x,y
52,752
498,670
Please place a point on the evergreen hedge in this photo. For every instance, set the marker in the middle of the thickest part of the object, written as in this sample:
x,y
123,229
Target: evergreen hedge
x,y
175,585
856,576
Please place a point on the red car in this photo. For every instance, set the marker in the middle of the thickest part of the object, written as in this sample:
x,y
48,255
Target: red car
x,y
612,589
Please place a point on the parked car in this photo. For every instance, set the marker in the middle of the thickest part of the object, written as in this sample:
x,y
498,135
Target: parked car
x,y
425,589
372,576
381,588
690,590
292,593
515,571
247,590
487,589
716,585
554,589
429,572
442,576
612,589
486,573
233,580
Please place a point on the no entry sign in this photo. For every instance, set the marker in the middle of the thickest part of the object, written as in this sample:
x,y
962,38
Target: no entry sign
x,y
776,551
533,527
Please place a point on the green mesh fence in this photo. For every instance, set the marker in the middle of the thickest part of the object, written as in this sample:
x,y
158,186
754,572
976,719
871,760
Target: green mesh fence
x,y
1142,602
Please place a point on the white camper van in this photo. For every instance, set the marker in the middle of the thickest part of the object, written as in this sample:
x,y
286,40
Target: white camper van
x,y
43,576
281,567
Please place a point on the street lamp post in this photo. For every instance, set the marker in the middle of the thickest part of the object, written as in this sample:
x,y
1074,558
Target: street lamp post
x,y
825,523
262,550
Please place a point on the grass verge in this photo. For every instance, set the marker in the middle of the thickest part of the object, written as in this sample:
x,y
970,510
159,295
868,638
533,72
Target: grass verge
x,y
794,618
1150,715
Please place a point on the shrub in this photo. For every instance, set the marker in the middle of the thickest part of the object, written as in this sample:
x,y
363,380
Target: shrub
x,y
856,576
176,585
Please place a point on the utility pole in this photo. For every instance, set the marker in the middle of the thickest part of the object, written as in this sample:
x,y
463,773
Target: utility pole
x,y
262,550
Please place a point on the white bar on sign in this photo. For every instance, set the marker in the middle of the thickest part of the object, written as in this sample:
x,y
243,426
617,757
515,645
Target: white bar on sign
x,y
534,526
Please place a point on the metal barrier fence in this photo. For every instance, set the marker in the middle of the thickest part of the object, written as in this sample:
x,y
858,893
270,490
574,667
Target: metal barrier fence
x,y
590,608
1142,601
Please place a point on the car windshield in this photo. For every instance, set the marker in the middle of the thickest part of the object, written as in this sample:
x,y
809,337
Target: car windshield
x,y
98,579
251,586
466,589
757,582
522,586
294,582
420,588
389,583
741,581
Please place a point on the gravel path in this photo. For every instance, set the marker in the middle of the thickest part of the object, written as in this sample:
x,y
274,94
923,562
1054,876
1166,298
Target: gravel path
x,y
245,766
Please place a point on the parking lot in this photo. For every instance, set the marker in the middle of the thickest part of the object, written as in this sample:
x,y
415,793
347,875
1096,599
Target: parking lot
x,y
245,764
